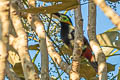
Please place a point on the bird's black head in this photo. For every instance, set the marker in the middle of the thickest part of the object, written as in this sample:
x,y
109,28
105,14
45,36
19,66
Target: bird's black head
x,y
67,33
64,18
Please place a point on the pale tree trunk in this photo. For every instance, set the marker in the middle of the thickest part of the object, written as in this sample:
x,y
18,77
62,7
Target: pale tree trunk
x,y
43,48
4,35
115,18
38,27
56,57
20,43
100,57
78,44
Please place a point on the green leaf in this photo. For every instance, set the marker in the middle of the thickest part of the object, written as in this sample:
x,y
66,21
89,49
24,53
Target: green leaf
x,y
108,41
52,9
19,71
33,47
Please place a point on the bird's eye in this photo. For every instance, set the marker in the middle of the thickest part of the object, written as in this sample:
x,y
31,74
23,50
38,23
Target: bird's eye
x,y
64,18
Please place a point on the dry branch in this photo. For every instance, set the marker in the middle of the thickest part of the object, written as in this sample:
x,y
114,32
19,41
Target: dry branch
x,y
38,27
21,43
115,18
99,55
4,35
56,57
78,43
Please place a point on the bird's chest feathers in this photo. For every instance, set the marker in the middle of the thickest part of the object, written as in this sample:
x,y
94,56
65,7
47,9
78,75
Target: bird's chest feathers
x,y
66,31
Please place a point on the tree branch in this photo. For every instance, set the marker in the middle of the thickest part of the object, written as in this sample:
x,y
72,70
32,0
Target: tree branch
x,y
21,43
100,57
78,43
108,12
4,35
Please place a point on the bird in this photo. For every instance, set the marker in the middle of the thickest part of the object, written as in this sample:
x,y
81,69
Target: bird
x,y
67,35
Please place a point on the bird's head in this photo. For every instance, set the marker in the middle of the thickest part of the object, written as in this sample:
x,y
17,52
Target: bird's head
x,y
63,18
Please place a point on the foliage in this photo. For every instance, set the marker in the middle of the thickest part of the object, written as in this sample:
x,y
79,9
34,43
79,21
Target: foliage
x,y
64,50
108,41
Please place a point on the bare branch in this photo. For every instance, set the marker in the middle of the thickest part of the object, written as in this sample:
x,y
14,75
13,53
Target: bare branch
x,y
4,35
43,48
56,57
109,12
21,44
78,43
100,57
38,27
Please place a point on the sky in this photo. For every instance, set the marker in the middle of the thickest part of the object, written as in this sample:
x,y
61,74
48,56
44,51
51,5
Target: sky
x,y
103,24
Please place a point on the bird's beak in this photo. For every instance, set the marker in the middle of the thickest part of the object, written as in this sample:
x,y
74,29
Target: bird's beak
x,y
56,15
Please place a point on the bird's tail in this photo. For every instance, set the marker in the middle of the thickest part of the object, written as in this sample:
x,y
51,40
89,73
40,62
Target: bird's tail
x,y
94,65
88,54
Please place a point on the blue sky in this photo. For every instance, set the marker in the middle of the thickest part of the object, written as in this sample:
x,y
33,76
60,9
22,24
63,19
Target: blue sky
x,y
103,24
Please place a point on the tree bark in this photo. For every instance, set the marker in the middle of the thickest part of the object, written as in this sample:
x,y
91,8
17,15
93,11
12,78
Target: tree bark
x,y
21,44
56,57
78,43
100,57
38,27
115,18
4,35
43,48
